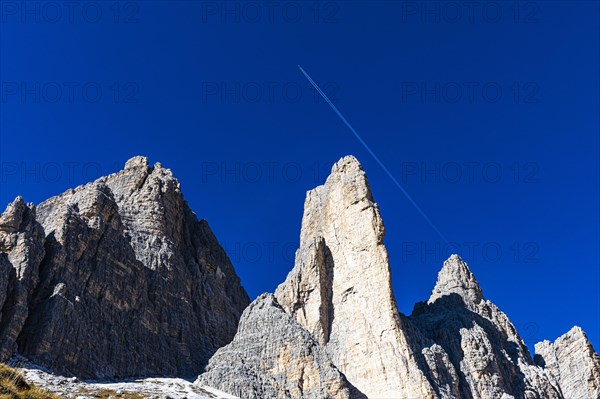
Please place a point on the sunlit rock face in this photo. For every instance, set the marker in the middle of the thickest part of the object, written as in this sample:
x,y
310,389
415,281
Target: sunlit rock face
x,y
340,288
118,278
573,362
456,344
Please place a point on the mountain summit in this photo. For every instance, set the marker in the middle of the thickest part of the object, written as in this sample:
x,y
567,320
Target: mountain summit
x,y
456,278
118,278
456,345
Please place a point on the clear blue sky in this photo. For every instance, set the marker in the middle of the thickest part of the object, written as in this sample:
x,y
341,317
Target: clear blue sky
x,y
488,116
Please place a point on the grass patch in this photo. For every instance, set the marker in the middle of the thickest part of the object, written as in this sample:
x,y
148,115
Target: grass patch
x,y
14,386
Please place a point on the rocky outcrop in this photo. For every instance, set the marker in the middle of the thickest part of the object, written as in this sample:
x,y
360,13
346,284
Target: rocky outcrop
x,y
21,251
131,282
482,344
307,293
340,288
573,362
273,357
456,278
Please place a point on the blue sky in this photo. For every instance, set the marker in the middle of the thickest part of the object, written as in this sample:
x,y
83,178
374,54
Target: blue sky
x,y
488,116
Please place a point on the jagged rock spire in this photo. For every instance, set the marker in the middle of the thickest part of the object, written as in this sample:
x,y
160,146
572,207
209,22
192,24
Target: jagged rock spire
x,y
340,288
573,362
21,251
456,278
456,345
483,345
12,217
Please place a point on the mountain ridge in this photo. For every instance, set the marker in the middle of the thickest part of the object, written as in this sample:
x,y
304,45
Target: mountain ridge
x,y
456,344
130,282
118,278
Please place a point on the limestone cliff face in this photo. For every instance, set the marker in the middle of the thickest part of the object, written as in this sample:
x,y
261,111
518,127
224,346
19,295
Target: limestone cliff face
x,y
21,251
573,362
273,357
340,288
117,278
455,345
491,358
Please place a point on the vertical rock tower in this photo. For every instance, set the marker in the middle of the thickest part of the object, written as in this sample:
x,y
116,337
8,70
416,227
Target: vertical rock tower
x,y
340,288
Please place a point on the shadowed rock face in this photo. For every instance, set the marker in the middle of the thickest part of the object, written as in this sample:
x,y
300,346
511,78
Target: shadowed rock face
x,y
484,347
21,251
130,282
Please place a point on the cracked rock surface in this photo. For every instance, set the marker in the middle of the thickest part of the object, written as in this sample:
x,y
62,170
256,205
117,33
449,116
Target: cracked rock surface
x,y
340,288
482,344
273,357
573,362
455,345
116,278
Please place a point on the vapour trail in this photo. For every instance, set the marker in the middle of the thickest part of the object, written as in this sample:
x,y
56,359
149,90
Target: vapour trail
x,y
385,169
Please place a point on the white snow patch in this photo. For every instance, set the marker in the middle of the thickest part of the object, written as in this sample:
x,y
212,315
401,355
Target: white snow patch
x,y
151,388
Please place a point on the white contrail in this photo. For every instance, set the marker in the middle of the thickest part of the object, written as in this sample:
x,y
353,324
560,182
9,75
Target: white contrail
x,y
386,170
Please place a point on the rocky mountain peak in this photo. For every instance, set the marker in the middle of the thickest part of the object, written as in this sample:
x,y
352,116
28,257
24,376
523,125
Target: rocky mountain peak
x,y
345,189
118,278
137,163
122,268
573,362
455,277
340,288
346,166
13,216
21,251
